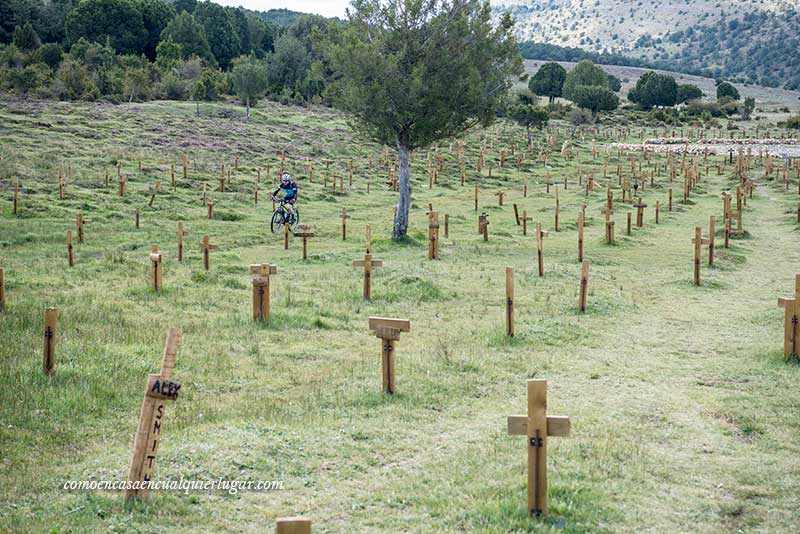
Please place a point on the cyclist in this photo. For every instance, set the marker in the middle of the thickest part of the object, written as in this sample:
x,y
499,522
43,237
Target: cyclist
x,y
289,187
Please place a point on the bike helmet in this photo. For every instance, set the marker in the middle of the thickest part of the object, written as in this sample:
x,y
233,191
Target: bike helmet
x,y
286,178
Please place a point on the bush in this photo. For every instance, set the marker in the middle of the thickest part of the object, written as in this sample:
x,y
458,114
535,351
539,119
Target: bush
x,y
726,89
696,108
793,122
172,88
50,54
595,98
75,82
687,92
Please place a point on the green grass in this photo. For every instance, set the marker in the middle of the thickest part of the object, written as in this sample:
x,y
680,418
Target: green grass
x,y
684,413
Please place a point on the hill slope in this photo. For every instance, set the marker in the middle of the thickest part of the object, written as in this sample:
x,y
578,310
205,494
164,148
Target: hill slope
x,y
748,40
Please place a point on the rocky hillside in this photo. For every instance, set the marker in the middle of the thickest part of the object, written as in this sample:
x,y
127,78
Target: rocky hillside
x,y
746,40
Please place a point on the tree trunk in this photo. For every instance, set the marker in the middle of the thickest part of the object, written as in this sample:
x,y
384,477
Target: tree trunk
x,y
530,141
400,227
248,109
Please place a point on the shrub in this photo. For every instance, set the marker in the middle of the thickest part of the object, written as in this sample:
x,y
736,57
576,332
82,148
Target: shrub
x,y
726,89
793,122
687,92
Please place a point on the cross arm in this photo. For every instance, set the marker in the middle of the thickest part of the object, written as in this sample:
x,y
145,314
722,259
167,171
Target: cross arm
x,y
557,425
403,325
783,302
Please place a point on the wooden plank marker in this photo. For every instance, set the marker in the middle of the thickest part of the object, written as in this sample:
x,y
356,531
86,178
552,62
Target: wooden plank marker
x,y
181,235
640,206
156,272
388,330
16,196
70,255
609,224
49,360
368,264
206,247
537,426
160,388
483,225
293,525
698,241
791,306
540,234
260,273
584,286
211,208
155,192
344,216
525,220
711,231
79,222
433,235
304,231
136,218
581,218
509,302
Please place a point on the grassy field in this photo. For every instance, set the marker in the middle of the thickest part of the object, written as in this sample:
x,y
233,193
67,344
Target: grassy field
x,y
685,415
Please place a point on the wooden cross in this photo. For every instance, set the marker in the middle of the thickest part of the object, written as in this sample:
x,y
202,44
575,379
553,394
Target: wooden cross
x,y
581,218
293,525
711,231
155,192
70,257
156,271
698,241
584,286
181,235
304,231
121,185
540,234
509,302
640,206
368,264
791,347
609,224
206,247
344,216
483,225
433,235
260,273
388,330
211,208
49,360
79,222
537,426
160,388
499,195
525,220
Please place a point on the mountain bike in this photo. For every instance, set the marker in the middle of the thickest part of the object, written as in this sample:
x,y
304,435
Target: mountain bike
x,y
281,216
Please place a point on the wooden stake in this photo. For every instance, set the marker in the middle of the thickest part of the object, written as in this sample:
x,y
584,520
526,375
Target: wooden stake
x,y
156,272
537,426
476,197
16,196
629,223
580,235
181,235
483,225
344,217
211,209
698,243
160,388
50,320
304,231
136,218
70,258
260,273
447,223
540,234
711,231
584,285
206,247
368,264
433,235
388,330
509,302
155,192
2,290
79,222
791,306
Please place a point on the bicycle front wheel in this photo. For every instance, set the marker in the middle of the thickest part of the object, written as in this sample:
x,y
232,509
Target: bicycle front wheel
x,y
277,221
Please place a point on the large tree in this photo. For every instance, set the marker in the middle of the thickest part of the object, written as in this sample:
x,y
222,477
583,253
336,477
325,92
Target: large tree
x,y
548,81
250,79
190,35
584,73
653,89
220,31
118,20
595,98
412,72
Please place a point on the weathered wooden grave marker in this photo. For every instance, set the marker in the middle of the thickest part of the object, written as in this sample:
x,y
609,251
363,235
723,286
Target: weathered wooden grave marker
x,y
629,224
609,225
540,234
16,196
584,286
476,197
516,213
293,525
79,222
447,223
344,216
181,234
70,256
500,195
558,205
206,247
658,210
538,426
509,302
698,241
525,220
155,192
433,235
2,290
640,206
156,272
49,359
304,231
160,388
260,273
368,264
388,330
581,218
711,231
136,218
791,306
211,208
